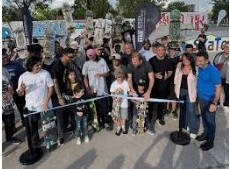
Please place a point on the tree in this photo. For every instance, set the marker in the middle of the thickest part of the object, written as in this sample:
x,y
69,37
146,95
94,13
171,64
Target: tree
x,y
128,8
217,6
181,6
42,11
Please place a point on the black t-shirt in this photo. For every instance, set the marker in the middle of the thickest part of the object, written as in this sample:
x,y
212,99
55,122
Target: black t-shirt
x,y
162,66
58,71
139,73
125,59
81,107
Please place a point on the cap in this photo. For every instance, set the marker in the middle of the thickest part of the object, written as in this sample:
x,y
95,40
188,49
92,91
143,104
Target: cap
x,y
119,73
98,46
116,56
141,82
90,53
74,45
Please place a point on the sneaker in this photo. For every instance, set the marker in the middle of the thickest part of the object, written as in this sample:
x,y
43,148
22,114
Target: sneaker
x,y
78,140
192,135
118,133
60,141
161,121
167,112
152,133
107,127
207,145
174,115
134,132
124,131
86,139
15,141
201,137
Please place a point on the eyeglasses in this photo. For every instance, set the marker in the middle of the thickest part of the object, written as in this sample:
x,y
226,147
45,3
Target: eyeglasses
x,y
71,57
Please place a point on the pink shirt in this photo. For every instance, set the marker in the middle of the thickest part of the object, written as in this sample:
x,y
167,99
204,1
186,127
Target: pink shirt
x,y
191,80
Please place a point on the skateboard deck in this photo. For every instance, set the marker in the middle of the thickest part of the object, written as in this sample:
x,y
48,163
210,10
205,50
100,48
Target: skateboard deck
x,y
116,105
49,46
108,25
49,128
94,117
89,23
142,108
98,31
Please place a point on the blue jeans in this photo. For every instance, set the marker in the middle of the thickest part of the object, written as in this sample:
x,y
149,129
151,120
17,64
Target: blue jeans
x,y
208,119
82,125
188,113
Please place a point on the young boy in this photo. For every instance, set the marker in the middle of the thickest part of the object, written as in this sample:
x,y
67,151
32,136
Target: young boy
x,y
81,113
138,111
120,105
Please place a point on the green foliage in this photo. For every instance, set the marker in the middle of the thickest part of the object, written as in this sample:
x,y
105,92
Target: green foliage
x,y
217,6
42,11
11,13
181,6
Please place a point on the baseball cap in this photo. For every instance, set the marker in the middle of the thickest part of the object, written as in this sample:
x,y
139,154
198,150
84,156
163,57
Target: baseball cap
x,y
98,46
116,56
90,53
74,45
141,82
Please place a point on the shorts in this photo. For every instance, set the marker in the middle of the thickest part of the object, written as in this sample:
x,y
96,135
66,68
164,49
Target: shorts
x,y
124,113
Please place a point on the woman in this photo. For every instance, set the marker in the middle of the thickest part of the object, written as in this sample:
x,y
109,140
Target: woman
x,y
186,89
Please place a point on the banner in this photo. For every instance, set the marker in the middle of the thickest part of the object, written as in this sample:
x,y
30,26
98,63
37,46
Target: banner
x,y
27,23
148,15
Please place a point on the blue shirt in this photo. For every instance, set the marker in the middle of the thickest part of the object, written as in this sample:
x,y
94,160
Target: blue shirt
x,y
208,78
15,70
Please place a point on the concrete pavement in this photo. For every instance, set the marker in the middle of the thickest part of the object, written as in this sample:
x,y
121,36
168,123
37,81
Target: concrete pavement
x,y
107,151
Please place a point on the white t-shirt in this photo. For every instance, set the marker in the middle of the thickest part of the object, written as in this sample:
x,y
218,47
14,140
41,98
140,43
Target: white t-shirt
x,y
146,54
36,89
91,68
124,87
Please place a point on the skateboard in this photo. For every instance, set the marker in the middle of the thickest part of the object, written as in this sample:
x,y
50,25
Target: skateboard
x,y
49,128
89,23
116,105
49,46
21,42
108,25
67,13
142,109
94,118
117,29
98,31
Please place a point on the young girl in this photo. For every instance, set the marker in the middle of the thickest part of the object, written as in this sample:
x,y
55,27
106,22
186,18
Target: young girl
x,y
71,83
120,87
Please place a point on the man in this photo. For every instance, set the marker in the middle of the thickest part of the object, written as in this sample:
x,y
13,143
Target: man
x,y
221,62
146,51
15,70
126,57
95,71
77,62
138,69
162,67
37,86
58,73
209,90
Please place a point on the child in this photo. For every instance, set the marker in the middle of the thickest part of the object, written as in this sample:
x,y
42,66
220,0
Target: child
x,y
81,113
8,110
141,89
120,106
71,82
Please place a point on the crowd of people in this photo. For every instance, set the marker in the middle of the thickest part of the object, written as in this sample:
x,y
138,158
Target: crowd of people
x,y
84,70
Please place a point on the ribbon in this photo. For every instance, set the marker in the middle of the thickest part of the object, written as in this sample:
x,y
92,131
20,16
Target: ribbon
x,y
110,95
